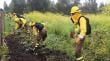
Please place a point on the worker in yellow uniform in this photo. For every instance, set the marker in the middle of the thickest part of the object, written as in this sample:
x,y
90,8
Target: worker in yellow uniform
x,y
39,31
80,30
19,20
34,30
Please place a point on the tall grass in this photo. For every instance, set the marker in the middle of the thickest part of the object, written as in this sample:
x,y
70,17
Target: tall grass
x,y
96,47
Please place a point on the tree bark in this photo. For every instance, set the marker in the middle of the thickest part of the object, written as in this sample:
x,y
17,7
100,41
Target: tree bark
x,y
1,27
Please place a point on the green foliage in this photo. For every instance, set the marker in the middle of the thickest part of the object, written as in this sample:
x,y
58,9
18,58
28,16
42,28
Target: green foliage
x,y
96,47
6,7
22,6
9,25
17,6
3,50
40,5
106,10
63,6
59,26
90,6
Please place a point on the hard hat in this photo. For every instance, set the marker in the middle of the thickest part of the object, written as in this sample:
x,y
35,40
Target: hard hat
x,y
75,9
14,13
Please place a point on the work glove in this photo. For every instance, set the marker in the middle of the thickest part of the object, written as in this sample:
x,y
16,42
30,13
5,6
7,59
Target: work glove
x,y
79,39
73,35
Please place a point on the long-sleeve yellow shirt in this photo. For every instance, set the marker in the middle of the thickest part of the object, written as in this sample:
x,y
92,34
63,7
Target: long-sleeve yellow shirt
x,y
81,27
17,21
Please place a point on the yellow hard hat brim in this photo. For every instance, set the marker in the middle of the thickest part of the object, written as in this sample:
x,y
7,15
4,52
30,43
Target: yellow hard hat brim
x,y
75,11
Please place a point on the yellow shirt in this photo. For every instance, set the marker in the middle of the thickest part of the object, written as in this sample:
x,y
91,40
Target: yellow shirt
x,y
15,18
34,29
23,21
82,28
17,21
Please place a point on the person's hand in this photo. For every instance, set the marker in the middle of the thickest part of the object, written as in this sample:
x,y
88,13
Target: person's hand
x,y
79,39
73,35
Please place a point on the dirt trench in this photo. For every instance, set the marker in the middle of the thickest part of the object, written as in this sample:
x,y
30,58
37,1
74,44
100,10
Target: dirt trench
x,y
21,49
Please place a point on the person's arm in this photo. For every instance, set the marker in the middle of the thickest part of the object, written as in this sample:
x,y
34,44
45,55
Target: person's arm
x,y
15,19
24,21
82,27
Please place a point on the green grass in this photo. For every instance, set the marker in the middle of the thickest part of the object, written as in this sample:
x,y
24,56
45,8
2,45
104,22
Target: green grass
x,y
8,26
59,27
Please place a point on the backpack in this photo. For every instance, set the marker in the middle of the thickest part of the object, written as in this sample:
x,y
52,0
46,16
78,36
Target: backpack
x,y
39,26
88,26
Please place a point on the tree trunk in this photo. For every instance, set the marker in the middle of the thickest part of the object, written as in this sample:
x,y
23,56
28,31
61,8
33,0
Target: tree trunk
x,y
1,27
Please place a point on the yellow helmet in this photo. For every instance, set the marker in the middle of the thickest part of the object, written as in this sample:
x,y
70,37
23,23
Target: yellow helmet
x,y
75,9
31,23
13,14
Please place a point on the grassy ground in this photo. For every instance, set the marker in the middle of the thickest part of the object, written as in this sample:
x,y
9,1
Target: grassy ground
x,y
96,47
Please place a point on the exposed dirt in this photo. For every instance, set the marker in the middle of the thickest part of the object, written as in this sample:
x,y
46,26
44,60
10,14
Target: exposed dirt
x,y
21,48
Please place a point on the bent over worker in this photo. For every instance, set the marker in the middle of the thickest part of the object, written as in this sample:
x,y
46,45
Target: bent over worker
x,y
19,20
38,29
80,23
